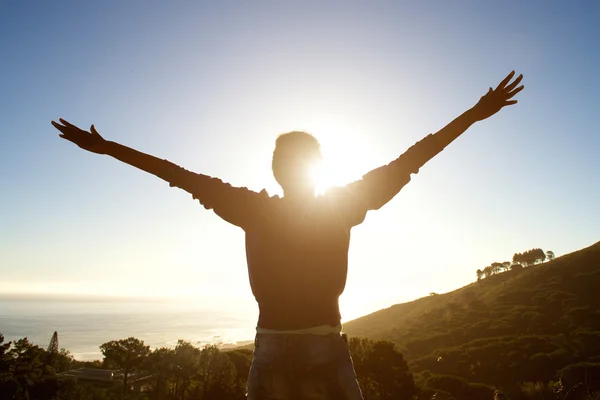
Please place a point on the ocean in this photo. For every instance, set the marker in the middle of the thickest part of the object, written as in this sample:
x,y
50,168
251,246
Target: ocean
x,y
84,324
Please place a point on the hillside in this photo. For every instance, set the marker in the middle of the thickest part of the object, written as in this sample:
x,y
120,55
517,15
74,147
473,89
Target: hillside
x,y
511,327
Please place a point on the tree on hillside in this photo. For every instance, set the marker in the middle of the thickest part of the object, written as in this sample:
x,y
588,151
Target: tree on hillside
x,y
5,358
241,360
487,271
538,255
550,255
530,257
26,365
382,372
127,354
58,359
27,356
8,385
518,259
479,274
52,350
53,346
4,347
161,363
516,266
186,358
457,388
521,258
496,266
216,375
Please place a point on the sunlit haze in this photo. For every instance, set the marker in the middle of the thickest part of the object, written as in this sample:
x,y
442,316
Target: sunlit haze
x,y
210,85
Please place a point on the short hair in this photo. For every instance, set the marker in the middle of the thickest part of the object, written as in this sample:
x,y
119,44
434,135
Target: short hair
x,y
289,147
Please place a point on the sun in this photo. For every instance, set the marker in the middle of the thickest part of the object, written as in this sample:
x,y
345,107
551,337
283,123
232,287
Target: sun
x,y
339,166
347,153
335,171
319,178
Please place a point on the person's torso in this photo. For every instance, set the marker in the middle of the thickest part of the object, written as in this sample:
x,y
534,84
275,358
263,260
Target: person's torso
x,y
297,263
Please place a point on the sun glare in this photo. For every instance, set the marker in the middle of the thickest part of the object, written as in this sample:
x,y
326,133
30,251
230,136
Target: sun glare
x,y
319,178
324,176
344,160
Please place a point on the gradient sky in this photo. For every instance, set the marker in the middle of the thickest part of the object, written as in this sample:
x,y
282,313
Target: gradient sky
x,y
210,85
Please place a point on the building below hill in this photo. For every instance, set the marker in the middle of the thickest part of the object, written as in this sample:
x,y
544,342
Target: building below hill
x,y
109,378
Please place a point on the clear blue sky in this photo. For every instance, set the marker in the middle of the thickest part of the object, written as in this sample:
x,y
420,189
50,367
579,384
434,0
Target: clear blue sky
x,y
209,85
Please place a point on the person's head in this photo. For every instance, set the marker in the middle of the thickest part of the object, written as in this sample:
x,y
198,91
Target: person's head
x,y
296,153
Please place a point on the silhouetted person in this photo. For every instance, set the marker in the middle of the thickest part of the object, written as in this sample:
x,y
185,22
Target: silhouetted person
x,y
297,247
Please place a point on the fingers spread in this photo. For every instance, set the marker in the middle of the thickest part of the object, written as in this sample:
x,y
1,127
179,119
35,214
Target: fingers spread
x,y
505,81
59,127
515,83
510,102
66,123
514,92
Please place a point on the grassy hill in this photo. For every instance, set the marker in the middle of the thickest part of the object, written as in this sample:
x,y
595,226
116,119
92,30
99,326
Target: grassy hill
x,y
511,327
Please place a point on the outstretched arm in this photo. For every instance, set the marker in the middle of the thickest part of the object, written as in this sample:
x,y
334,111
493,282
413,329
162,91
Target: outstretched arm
x,y
492,102
93,142
380,185
235,205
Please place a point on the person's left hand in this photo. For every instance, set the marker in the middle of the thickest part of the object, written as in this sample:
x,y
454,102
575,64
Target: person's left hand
x,y
495,99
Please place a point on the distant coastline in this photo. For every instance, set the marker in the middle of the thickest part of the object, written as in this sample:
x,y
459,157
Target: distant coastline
x,y
83,323
76,297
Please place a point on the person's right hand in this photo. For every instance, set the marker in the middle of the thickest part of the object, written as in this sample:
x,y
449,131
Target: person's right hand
x,y
496,99
90,141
